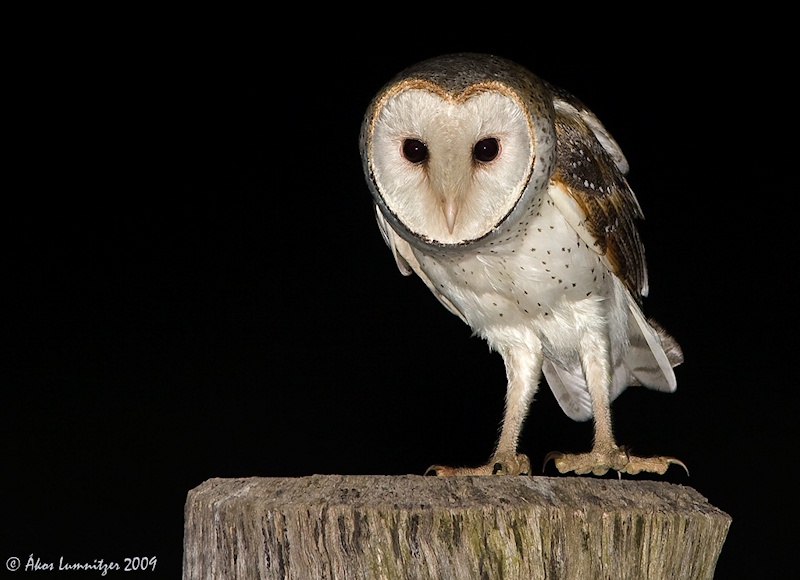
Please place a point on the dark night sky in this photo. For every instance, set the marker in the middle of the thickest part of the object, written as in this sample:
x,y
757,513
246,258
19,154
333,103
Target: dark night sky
x,y
195,287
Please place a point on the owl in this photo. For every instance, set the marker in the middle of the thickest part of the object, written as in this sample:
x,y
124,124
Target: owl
x,y
508,198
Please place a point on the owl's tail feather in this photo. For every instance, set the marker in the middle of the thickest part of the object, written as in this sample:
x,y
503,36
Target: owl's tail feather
x,y
569,388
648,362
653,353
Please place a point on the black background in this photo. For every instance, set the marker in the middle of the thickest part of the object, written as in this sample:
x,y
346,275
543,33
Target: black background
x,y
194,285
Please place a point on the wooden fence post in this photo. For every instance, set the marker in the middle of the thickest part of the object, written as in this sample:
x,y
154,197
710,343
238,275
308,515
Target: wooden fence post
x,y
387,527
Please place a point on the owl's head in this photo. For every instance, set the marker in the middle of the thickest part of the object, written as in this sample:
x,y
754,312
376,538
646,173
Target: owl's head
x,y
453,145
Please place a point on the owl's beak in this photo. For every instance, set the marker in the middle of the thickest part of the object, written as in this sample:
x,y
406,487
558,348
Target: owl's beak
x,y
450,210
449,179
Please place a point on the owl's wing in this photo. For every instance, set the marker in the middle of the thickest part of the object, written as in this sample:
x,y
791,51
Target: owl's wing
x,y
570,106
407,262
590,190
651,355
569,387
389,237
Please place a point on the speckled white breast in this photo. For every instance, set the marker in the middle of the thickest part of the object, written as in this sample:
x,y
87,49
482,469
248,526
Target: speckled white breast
x,y
541,278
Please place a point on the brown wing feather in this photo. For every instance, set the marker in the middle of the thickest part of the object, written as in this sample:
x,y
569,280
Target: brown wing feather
x,y
595,182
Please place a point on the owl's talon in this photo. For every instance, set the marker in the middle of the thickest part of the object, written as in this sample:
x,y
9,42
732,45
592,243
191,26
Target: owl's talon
x,y
515,464
440,470
673,461
599,462
552,456
445,470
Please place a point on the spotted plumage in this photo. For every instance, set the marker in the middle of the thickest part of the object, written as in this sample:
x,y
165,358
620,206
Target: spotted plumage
x,y
508,198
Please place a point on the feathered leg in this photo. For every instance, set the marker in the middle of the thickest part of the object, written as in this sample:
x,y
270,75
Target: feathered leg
x,y
605,453
523,369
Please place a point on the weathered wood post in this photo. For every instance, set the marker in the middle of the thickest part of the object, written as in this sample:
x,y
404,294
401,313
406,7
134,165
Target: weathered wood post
x,y
386,527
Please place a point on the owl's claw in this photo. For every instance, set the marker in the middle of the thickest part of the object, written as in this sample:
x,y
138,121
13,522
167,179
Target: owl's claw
x,y
598,462
553,455
501,464
444,470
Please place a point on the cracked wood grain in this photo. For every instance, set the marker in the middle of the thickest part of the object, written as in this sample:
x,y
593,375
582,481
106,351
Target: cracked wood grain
x,y
370,527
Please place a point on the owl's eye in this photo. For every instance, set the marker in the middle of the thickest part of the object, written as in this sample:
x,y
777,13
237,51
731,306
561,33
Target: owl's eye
x,y
415,150
486,150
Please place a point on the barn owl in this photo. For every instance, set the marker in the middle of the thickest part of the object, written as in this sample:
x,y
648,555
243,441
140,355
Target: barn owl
x,y
508,198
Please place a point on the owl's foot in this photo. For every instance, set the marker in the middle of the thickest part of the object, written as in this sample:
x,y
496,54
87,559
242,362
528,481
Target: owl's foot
x,y
501,464
599,461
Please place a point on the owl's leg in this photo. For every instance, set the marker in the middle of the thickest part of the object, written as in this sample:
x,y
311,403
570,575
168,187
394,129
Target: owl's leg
x,y
605,453
522,369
